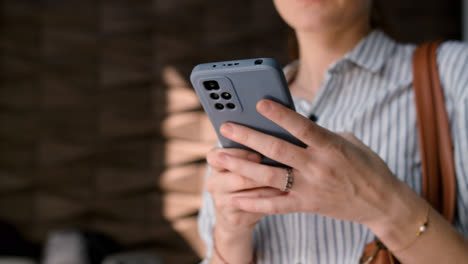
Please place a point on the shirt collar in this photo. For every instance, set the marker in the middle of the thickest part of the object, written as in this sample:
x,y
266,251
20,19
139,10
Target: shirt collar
x,y
372,52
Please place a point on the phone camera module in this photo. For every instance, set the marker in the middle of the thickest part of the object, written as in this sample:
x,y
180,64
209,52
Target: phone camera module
x,y
226,96
211,85
219,106
214,96
230,105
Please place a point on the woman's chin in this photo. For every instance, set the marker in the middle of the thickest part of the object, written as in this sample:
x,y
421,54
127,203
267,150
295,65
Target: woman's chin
x,y
309,1
312,24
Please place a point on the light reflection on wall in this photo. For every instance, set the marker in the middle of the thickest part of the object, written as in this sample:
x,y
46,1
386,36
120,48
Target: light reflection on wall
x,y
189,136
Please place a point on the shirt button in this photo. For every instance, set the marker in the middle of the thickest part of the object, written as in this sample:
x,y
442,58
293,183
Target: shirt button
x,y
314,118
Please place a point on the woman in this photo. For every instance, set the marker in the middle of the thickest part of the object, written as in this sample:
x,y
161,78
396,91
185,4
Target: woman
x,y
349,188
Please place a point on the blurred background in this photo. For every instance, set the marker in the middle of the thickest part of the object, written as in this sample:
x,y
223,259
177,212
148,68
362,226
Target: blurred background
x,y
100,130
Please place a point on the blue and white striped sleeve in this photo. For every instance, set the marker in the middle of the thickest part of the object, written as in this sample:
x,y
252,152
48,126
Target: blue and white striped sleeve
x,y
206,220
453,65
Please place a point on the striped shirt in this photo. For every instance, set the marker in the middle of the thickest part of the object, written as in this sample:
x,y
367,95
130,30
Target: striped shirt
x,y
368,93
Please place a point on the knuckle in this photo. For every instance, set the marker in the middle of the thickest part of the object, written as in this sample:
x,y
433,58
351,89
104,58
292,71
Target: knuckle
x,y
304,131
231,164
242,136
338,149
279,113
324,172
239,182
350,137
269,177
219,159
235,152
329,178
276,148
340,146
215,158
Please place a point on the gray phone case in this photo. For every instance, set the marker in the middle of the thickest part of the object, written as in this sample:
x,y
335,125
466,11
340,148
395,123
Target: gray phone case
x,y
247,82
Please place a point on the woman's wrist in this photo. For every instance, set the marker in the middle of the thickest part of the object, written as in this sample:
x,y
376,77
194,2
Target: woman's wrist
x,y
232,247
402,217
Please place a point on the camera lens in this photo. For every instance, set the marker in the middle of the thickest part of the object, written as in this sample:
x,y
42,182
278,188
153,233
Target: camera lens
x,y
258,62
226,96
214,96
230,105
219,106
211,85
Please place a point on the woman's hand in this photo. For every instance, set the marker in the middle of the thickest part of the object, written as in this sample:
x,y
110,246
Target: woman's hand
x,y
234,227
335,176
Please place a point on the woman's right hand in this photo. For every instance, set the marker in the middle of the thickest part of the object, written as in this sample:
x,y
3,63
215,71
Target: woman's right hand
x,y
233,231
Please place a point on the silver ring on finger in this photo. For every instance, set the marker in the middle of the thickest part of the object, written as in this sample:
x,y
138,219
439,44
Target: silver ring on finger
x,y
289,180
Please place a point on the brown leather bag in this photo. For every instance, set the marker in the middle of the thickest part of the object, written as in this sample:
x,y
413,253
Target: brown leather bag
x,y
438,181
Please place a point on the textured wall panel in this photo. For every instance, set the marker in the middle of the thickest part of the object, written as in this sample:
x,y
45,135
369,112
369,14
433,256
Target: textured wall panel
x,y
99,125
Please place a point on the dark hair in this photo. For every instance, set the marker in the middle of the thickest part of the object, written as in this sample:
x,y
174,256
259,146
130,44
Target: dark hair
x,y
377,21
293,45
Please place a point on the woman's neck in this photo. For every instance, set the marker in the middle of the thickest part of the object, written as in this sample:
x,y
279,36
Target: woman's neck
x,y
317,51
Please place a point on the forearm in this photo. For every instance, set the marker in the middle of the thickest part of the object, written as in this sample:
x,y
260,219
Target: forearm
x,y
439,243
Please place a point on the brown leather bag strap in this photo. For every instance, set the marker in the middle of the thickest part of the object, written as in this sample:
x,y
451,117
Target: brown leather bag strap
x,y
439,182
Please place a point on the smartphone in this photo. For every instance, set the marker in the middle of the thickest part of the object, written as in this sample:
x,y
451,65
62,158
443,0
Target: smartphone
x,y
230,90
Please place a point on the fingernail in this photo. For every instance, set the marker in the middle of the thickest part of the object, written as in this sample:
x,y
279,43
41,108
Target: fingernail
x,y
264,106
226,129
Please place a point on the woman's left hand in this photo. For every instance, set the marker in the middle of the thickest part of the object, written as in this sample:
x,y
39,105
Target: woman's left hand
x,y
335,176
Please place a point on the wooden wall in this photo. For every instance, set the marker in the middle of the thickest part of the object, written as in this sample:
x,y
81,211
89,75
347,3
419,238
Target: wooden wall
x,y
419,20
99,127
